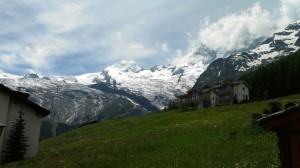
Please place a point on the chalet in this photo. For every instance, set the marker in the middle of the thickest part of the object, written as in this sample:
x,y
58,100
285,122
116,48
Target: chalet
x,y
229,91
226,93
12,103
286,124
186,100
208,98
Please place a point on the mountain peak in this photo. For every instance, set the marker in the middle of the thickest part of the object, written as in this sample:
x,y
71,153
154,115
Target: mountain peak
x,y
293,26
127,66
31,75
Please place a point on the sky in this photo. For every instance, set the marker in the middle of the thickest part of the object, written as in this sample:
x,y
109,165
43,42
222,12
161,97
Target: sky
x,y
73,37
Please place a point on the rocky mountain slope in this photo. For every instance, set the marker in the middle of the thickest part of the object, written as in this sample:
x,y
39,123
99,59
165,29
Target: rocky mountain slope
x,y
122,89
75,103
160,83
280,44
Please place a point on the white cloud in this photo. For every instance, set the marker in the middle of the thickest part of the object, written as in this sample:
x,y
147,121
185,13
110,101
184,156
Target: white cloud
x,y
122,45
164,47
8,59
119,36
289,12
237,30
31,71
64,18
131,51
43,35
36,53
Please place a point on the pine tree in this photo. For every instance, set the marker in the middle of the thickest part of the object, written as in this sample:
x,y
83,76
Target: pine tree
x,y
16,143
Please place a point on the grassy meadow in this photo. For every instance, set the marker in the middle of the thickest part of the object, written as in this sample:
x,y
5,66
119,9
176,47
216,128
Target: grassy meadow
x,y
212,138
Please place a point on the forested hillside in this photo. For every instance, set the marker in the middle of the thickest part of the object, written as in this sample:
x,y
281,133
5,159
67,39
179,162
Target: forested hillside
x,y
279,78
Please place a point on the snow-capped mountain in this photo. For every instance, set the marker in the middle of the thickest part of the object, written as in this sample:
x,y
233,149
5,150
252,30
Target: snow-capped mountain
x,y
273,48
160,83
125,88
76,99
75,103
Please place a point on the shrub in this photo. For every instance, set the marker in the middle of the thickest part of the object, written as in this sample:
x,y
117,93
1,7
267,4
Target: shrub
x,y
274,106
267,111
289,104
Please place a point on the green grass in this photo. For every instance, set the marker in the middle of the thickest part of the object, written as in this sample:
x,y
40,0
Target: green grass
x,y
174,138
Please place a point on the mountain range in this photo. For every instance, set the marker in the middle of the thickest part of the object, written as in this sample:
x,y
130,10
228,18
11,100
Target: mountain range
x,y
280,44
126,89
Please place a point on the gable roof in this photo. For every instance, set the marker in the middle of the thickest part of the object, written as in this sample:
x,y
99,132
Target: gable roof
x,y
231,84
271,122
241,82
209,90
23,97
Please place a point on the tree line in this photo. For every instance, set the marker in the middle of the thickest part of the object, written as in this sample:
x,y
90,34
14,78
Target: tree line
x,y
276,79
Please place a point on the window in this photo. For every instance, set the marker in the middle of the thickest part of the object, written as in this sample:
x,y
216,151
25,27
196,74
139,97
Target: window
x,y
243,88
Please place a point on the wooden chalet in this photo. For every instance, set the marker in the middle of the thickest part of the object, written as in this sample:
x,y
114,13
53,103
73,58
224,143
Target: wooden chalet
x,y
286,124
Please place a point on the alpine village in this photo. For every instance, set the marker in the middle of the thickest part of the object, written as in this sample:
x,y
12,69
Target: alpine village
x,y
242,110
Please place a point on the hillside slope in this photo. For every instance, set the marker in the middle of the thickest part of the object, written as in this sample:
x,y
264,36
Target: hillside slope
x,y
280,78
173,138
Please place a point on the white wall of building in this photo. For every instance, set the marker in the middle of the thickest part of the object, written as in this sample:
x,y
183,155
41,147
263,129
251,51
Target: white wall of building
x,y
241,91
32,127
214,99
4,101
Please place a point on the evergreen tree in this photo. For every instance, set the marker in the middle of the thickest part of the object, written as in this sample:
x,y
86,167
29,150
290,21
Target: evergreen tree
x,y
276,79
16,143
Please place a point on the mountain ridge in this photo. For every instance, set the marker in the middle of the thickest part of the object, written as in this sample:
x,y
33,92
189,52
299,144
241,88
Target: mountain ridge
x,y
278,45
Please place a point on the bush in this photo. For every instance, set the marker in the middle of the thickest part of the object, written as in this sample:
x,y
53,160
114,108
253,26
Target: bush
x,y
289,104
275,106
267,111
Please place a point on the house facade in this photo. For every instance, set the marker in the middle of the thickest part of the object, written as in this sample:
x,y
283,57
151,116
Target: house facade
x,y
230,91
208,98
12,104
225,93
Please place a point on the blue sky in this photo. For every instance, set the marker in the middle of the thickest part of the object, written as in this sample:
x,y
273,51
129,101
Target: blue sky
x,y
73,37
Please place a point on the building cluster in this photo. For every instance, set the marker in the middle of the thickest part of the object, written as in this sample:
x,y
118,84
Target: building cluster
x,y
225,93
